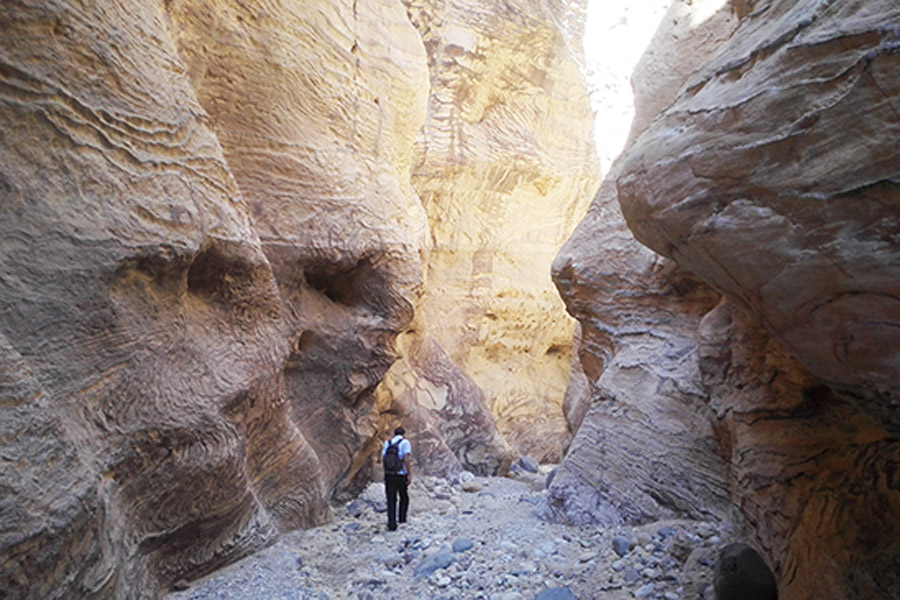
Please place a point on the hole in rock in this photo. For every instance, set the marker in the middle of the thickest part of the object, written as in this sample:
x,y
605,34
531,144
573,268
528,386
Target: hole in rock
x,y
555,350
816,399
219,276
342,287
306,342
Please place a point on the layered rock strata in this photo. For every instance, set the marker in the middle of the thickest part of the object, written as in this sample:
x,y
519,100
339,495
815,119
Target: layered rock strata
x,y
145,436
505,167
810,190
793,219
210,247
808,471
766,176
444,411
645,445
317,111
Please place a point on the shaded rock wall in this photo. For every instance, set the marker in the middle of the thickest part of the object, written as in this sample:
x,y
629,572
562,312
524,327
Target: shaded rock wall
x,y
646,447
444,412
317,112
810,474
818,215
746,180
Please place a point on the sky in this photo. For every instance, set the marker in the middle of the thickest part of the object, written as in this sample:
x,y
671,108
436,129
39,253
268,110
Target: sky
x,y
616,34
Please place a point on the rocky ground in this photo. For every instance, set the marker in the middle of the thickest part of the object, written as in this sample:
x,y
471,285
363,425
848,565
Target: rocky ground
x,y
475,538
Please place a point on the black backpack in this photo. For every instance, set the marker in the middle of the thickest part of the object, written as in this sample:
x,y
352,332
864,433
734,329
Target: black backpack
x,y
392,461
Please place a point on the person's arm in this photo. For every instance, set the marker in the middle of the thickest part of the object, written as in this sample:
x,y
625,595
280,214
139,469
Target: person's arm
x,y
407,452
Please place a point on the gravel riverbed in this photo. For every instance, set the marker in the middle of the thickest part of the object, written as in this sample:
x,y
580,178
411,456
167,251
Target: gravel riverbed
x,y
472,539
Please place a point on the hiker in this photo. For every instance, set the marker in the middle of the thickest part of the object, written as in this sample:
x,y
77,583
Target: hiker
x,y
395,458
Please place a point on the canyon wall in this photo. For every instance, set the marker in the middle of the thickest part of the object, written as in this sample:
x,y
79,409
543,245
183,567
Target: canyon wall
x,y
748,370
505,167
145,435
317,112
214,250
243,240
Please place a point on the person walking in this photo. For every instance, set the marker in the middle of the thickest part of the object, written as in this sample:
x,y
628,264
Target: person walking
x,y
395,455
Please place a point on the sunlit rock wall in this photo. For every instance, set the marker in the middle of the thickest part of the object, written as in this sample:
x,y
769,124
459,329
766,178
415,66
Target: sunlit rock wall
x,y
770,174
505,167
443,411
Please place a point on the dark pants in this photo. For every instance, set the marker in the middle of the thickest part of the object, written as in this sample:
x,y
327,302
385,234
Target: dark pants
x,y
394,485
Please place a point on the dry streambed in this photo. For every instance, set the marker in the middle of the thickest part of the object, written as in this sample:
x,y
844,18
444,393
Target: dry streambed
x,y
472,539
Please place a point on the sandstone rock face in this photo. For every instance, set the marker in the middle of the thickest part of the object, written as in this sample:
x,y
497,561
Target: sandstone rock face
x,y
211,244
317,111
807,467
810,191
444,412
505,167
145,436
646,446
747,180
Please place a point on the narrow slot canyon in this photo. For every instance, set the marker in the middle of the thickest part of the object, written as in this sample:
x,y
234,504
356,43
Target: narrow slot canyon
x,y
627,274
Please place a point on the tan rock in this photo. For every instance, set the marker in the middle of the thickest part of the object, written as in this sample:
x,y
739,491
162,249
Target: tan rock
x,y
504,167
645,446
444,413
173,400
808,192
210,245
140,321
317,111
577,400
797,449
472,486
738,183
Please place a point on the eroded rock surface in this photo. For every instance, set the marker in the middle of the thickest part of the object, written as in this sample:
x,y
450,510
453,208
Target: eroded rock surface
x,y
646,447
317,111
809,191
140,321
211,243
765,177
806,465
505,167
445,410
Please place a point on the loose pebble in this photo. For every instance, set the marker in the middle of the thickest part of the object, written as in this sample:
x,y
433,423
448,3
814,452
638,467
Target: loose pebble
x,y
621,545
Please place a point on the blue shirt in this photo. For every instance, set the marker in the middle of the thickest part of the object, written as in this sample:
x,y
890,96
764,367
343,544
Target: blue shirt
x,y
402,450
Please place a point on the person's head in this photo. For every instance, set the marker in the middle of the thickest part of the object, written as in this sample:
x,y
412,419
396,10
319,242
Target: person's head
x,y
399,431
